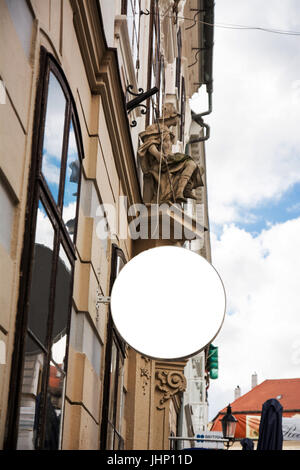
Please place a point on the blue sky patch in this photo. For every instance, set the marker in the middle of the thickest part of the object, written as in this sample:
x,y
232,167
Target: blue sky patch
x,y
272,212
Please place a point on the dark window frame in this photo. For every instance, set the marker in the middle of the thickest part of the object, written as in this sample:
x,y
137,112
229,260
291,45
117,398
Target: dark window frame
x,y
178,61
113,338
182,110
38,191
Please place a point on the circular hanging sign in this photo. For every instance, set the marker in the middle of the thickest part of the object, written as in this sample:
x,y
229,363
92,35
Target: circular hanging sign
x,y
168,303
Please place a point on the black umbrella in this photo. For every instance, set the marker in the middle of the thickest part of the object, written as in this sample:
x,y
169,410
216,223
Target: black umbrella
x,y
270,428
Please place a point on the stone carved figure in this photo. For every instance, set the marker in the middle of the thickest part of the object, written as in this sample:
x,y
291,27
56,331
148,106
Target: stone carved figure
x,y
168,177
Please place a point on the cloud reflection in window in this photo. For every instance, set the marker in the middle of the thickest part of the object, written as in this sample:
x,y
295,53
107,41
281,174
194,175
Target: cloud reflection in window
x,y
53,138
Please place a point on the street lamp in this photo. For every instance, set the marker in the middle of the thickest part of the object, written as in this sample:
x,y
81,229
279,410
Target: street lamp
x,y
228,427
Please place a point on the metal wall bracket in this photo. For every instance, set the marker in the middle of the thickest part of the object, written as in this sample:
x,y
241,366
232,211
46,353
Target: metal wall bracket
x,y
103,299
139,98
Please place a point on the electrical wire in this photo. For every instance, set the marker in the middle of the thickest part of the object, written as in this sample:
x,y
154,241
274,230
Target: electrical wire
x,y
235,26
257,28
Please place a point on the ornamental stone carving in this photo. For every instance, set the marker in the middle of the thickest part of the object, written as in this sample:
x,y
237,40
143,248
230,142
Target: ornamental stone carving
x,y
168,177
145,374
169,383
98,303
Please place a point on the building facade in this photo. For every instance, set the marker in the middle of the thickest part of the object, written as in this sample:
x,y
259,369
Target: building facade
x,y
69,142
247,409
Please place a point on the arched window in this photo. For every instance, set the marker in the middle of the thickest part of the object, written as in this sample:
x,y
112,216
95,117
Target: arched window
x,y
40,353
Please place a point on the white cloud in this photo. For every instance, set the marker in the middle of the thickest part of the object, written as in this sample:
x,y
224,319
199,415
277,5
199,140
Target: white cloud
x,y
252,155
59,350
44,230
69,212
72,149
54,131
262,334
294,208
55,121
51,171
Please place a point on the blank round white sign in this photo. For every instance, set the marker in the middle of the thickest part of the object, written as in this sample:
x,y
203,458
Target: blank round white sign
x,y
168,303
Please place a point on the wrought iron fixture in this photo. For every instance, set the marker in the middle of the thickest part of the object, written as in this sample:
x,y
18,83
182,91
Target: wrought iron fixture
x,y
198,49
146,13
139,98
194,19
228,427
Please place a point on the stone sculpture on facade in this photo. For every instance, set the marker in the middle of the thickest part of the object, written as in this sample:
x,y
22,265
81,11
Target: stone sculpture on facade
x,y
168,177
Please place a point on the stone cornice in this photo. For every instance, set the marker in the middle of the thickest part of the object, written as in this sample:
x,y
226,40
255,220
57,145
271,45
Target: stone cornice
x,y
121,33
91,39
102,69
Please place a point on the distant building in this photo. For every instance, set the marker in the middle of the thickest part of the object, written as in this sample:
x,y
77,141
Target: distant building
x,y
247,409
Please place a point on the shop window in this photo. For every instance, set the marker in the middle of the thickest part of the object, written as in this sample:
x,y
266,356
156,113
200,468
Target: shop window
x,y
113,400
40,354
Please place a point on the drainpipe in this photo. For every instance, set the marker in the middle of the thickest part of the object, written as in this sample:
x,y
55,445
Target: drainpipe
x,y
199,120
206,113
208,6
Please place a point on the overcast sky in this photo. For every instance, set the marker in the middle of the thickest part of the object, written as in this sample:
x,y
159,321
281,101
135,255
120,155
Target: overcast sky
x,y
253,171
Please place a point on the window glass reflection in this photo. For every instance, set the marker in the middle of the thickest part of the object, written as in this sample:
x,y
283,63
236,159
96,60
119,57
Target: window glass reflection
x,y
71,184
61,309
116,393
30,396
54,404
112,386
116,401
120,265
41,276
53,138
56,382
121,398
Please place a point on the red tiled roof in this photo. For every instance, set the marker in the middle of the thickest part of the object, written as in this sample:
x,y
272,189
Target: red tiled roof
x,y
252,402
289,389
